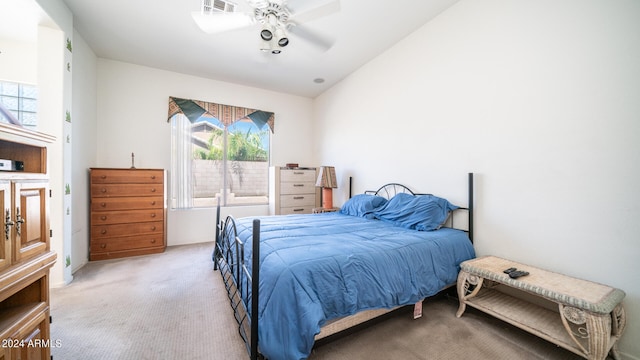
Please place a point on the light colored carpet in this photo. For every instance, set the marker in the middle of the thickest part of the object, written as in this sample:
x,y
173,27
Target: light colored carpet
x,y
174,306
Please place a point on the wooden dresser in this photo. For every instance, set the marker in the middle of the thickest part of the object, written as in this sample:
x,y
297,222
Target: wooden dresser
x,y
128,212
292,191
25,254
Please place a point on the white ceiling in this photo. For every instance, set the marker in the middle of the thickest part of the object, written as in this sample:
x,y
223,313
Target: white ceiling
x,y
162,34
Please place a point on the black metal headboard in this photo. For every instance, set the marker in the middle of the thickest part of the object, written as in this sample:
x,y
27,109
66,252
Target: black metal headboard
x,y
389,190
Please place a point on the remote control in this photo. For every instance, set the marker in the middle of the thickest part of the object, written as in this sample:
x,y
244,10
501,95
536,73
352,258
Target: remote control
x,y
516,274
509,270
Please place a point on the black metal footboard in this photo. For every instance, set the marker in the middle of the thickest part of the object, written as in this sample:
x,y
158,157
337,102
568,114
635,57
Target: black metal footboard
x,y
241,284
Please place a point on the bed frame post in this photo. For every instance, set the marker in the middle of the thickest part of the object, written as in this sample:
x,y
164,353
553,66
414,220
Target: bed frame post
x,y
255,282
218,229
471,207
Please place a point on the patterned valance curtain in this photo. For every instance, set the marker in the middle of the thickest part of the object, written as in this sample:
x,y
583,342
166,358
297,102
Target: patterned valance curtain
x,y
227,114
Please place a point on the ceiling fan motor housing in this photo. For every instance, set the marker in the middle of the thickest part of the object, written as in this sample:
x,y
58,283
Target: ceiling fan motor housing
x,y
274,18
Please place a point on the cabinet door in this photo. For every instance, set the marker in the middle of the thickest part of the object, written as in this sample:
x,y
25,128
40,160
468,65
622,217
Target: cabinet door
x,y
31,219
5,218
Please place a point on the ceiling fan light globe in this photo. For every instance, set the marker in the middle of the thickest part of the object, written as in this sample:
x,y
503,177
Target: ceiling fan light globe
x,y
276,51
282,42
266,34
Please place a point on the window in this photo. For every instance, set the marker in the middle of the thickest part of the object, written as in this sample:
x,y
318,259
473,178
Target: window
x,y
19,104
214,161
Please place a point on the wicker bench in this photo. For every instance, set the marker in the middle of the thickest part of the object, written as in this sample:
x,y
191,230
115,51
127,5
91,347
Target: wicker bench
x,y
584,317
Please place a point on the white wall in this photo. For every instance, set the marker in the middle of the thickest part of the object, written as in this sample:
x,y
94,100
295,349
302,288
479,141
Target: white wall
x,y
132,117
84,127
540,99
18,62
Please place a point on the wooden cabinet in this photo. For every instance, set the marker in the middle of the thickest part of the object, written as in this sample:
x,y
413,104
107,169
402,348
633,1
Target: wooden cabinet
x,y
25,255
293,191
128,212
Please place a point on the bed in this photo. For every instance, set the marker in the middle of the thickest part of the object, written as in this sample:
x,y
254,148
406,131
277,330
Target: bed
x,y
293,279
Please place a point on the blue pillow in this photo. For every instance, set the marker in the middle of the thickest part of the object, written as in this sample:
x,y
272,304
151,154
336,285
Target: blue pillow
x,y
363,205
421,212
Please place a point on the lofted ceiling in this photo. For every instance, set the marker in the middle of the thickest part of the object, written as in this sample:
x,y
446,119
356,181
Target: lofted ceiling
x,y
163,35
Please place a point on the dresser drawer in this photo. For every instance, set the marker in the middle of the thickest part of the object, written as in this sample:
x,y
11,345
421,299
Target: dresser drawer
x,y
125,176
106,190
126,217
296,210
298,176
132,203
105,231
126,243
292,188
297,200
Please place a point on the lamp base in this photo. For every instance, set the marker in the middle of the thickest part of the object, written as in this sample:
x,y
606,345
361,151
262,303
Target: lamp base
x,y
327,198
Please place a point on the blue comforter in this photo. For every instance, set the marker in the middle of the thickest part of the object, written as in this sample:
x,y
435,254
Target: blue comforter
x,y
314,268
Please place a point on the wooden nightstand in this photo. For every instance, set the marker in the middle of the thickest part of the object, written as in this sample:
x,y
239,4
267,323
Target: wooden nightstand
x,y
320,210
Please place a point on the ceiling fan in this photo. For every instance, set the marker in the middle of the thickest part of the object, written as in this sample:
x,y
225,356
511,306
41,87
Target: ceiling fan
x,y
276,19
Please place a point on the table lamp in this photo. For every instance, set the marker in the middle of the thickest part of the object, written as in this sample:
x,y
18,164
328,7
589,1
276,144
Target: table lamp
x,y
327,181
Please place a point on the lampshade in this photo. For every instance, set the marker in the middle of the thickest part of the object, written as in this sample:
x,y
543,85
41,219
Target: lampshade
x,y
327,177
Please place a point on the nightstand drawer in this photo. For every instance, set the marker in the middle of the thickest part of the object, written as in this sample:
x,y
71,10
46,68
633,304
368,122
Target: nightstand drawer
x,y
297,200
288,188
115,230
127,203
106,190
127,243
298,176
110,176
126,217
296,210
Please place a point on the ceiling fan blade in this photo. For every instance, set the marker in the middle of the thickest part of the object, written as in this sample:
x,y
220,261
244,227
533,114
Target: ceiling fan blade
x,y
221,22
311,13
321,42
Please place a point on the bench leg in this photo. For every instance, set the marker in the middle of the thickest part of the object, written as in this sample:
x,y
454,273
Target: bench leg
x,y
598,332
468,286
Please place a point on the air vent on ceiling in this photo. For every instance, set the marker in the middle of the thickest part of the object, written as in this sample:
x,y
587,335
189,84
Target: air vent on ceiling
x,y
209,6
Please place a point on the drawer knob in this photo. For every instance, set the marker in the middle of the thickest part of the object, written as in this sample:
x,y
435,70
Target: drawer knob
x,y
153,190
298,185
298,210
153,228
298,197
153,177
103,217
153,203
103,190
153,215
103,177
103,231
153,241
103,246
103,204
